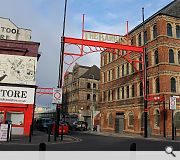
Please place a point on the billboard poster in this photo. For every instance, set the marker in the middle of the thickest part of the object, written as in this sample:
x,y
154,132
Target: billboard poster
x,y
17,69
18,95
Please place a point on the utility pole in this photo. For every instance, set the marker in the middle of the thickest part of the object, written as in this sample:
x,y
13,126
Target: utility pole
x,y
145,82
92,107
60,77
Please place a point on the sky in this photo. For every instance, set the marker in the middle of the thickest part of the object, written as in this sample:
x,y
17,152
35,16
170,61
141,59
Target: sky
x,y
45,19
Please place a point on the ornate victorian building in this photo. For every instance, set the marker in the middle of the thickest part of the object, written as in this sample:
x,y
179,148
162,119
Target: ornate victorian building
x,y
121,89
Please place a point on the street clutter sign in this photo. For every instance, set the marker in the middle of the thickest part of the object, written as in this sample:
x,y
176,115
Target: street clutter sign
x,y
57,95
3,132
172,103
18,95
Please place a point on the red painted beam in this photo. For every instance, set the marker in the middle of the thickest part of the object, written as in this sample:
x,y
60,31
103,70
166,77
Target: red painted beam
x,y
102,44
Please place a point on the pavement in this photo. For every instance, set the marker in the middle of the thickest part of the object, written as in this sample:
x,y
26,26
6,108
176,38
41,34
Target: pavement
x,y
40,137
155,138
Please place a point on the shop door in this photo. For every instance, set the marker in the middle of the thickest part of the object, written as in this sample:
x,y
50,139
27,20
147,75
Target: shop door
x,y
119,123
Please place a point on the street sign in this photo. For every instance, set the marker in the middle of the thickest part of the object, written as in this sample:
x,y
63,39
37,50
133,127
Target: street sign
x,y
57,95
172,103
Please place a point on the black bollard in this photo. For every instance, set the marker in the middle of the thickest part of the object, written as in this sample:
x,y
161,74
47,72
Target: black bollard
x,y
30,134
133,147
49,132
42,147
62,132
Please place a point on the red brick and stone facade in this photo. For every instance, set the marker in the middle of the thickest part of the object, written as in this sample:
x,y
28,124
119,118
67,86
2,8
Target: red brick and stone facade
x,y
121,91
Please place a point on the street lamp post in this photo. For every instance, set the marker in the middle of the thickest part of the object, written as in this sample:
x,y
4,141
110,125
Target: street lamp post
x,y
92,107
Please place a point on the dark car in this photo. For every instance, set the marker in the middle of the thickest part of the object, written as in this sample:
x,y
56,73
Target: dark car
x,y
43,124
80,125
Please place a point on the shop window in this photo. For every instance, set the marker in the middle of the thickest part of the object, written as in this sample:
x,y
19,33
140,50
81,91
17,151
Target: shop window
x,y
171,56
88,96
131,119
156,58
16,118
177,31
177,120
169,30
157,118
173,84
88,85
157,85
154,31
1,117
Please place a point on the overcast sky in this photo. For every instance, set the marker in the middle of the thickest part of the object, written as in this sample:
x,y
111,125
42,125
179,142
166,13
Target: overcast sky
x,y
45,18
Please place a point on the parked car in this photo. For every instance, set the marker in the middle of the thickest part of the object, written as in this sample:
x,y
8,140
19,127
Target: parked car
x,y
42,124
81,125
61,124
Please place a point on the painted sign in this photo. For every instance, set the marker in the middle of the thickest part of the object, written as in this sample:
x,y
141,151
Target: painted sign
x,y
90,35
57,95
173,103
9,31
17,69
18,95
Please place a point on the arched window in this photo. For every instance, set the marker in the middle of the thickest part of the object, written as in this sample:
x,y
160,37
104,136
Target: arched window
x,y
122,92
156,58
88,85
139,39
179,57
177,31
123,70
110,119
94,97
145,37
157,85
109,57
140,64
154,31
88,96
127,91
177,120
118,93
131,119
133,90
171,56
157,118
94,85
141,89
173,84
109,95
169,30
127,69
